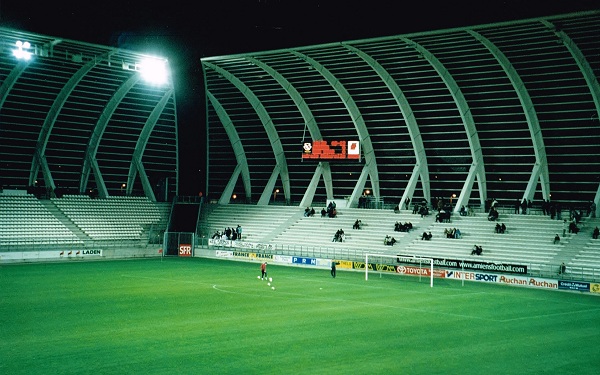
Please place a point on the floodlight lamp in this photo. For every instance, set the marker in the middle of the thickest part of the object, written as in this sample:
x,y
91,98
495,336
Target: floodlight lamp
x,y
22,52
154,70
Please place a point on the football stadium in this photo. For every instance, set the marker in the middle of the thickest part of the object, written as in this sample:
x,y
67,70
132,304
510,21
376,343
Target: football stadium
x,y
419,203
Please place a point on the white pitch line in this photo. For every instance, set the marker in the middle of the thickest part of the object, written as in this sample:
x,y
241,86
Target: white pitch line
x,y
548,315
282,294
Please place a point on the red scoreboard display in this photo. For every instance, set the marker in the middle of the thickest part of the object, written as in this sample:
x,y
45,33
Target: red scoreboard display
x,y
331,150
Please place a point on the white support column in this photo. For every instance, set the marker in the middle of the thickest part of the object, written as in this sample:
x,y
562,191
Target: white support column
x,y
102,191
465,193
265,197
532,184
228,191
597,201
410,187
312,187
360,185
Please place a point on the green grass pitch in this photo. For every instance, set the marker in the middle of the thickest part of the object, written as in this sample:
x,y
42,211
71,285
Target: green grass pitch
x,y
202,316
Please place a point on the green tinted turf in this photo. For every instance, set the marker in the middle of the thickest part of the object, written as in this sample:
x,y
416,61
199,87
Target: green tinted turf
x,y
206,316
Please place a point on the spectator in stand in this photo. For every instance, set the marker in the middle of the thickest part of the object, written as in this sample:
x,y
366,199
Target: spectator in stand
x,y
517,206
331,209
406,203
238,230
493,214
562,268
494,204
502,228
426,236
323,212
477,250
415,208
339,236
556,239
463,211
595,233
442,216
357,224
457,233
573,227
389,241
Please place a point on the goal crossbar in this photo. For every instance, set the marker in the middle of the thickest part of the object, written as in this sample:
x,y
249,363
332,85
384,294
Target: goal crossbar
x,y
415,260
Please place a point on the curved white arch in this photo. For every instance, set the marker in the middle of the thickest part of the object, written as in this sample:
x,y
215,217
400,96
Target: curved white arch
x,y
136,165
311,123
421,168
39,158
477,169
281,167
540,169
89,161
370,167
238,151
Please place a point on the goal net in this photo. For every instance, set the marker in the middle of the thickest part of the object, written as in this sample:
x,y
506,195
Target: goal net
x,y
421,267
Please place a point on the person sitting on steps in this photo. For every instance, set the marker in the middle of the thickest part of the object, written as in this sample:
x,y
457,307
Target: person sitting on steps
x,y
477,250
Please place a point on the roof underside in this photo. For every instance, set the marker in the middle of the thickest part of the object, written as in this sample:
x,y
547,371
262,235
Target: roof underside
x,y
76,118
506,111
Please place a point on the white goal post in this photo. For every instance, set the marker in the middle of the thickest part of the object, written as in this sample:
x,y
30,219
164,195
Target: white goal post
x,y
378,259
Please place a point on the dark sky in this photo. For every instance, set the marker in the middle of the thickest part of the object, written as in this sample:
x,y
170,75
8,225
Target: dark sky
x,y
184,32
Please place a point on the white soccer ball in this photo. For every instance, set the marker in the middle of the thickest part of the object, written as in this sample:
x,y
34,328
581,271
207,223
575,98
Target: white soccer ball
x,y
273,287
270,279
258,277
269,284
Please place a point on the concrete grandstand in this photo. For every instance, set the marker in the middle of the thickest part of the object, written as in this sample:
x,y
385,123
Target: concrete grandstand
x,y
500,112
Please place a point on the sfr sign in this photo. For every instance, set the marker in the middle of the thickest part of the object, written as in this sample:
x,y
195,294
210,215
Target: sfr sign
x,y
185,250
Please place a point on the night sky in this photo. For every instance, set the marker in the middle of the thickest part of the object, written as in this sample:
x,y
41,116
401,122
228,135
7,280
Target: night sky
x,y
183,35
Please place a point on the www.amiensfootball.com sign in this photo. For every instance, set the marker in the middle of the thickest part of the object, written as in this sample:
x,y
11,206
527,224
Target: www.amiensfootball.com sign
x,y
468,265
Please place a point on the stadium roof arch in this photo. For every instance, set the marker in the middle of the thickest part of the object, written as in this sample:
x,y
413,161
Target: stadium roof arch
x,y
81,118
505,111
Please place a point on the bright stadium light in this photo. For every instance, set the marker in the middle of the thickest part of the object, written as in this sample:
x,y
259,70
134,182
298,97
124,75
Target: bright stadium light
x,y
21,51
154,70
